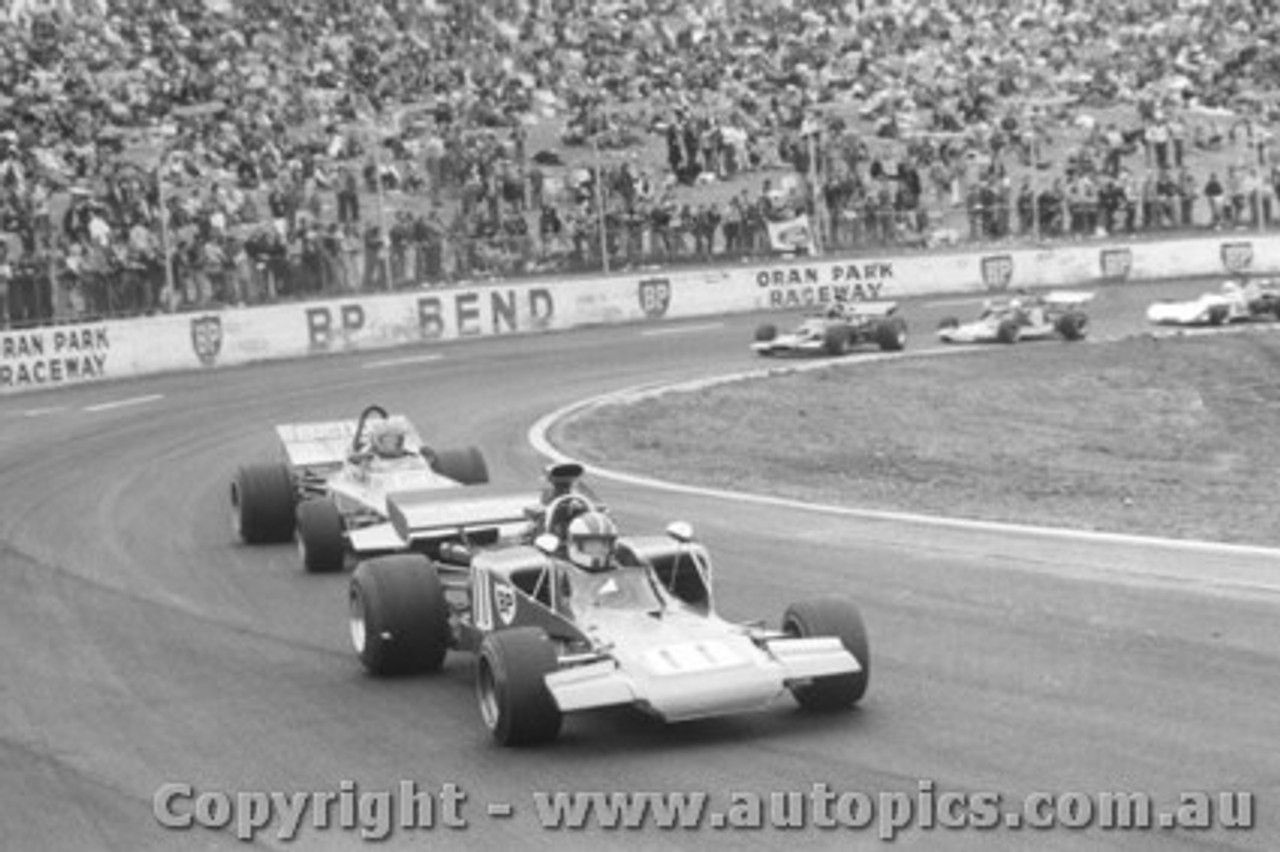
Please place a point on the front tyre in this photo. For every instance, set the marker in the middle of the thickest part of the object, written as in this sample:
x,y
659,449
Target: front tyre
x,y
398,617
831,616
511,687
766,333
322,540
1007,331
262,503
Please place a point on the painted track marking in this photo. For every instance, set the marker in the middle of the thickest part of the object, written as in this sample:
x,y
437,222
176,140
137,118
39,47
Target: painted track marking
x,y
124,403
399,362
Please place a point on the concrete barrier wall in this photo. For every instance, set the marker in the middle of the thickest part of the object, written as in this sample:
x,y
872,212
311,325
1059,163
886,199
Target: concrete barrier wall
x,y
99,351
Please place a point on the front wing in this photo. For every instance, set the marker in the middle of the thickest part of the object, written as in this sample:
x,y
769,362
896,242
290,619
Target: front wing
x,y
703,683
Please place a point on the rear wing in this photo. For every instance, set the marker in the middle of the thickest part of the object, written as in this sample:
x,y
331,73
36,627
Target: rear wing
x,y
427,514
870,309
1066,299
328,443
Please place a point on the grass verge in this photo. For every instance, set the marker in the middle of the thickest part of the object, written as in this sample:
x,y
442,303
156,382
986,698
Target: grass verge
x,y
1157,436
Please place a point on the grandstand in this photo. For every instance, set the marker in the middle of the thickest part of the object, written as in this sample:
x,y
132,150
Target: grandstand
x,y
286,150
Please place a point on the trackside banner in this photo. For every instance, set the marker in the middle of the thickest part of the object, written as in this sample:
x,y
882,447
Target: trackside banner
x,y
91,352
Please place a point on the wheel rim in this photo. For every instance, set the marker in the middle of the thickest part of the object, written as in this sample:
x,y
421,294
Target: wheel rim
x,y
355,620
487,694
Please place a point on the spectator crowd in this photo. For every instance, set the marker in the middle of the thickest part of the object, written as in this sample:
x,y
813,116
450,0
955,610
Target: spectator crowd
x,y
161,155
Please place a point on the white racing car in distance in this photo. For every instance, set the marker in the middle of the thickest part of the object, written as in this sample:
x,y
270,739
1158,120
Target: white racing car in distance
x,y
1235,302
1057,314
368,486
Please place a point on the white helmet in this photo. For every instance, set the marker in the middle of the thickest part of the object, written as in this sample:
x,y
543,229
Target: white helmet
x,y
592,537
386,439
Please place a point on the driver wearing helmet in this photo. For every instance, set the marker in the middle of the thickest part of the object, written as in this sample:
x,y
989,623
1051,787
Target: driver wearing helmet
x,y
387,440
384,445
591,540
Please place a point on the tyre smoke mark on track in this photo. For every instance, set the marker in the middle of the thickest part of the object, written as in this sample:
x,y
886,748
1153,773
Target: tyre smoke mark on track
x,y
683,329
399,362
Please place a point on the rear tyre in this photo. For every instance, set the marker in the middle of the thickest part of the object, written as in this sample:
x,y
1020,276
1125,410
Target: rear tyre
x,y
466,466
322,541
1007,332
1218,314
262,503
948,323
397,615
1071,326
831,616
511,687
891,335
766,333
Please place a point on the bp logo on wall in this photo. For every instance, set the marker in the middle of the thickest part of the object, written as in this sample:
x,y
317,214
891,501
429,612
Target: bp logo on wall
x,y
206,338
655,297
997,272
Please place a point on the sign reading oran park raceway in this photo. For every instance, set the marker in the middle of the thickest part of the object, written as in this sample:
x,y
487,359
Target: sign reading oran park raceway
x,y
465,313
53,356
806,285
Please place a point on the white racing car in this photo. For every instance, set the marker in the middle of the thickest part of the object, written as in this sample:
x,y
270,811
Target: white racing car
x,y
366,486
1235,302
588,620
1057,314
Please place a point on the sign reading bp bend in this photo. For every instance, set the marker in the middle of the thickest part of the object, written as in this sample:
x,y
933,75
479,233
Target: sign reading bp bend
x,y
53,356
466,313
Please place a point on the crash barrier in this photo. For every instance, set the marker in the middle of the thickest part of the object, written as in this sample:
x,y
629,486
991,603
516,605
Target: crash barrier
x,y
112,349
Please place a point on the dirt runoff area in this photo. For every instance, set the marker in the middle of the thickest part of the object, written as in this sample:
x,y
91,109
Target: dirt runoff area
x,y
1169,436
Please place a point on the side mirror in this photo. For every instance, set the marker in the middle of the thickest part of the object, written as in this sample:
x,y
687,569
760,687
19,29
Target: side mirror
x,y
547,543
681,531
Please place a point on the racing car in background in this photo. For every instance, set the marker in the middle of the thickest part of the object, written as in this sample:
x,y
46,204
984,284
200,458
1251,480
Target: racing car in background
x,y
837,329
587,619
365,486
1236,302
1057,314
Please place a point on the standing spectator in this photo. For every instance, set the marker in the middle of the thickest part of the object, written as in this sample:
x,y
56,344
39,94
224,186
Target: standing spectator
x,y
1213,193
6,277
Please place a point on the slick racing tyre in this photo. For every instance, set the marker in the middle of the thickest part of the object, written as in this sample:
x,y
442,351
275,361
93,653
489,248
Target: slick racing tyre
x,y
397,615
891,335
766,333
322,541
466,466
831,616
836,340
511,687
1007,332
1071,326
262,503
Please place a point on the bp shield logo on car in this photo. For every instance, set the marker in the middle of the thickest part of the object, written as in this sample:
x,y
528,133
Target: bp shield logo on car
x,y
1116,263
1237,257
655,297
504,601
997,271
206,338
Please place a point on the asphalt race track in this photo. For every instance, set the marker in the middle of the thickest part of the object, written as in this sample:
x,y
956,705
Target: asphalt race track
x,y
143,646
